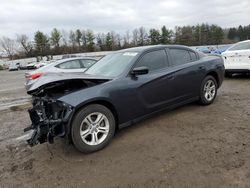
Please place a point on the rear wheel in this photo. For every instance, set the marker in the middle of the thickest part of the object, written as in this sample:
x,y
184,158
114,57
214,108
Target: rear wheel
x,y
208,90
93,128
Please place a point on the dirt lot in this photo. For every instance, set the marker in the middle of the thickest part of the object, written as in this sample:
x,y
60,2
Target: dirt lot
x,y
12,90
192,146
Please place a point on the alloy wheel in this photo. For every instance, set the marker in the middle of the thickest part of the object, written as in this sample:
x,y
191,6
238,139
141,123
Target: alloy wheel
x,y
94,128
209,90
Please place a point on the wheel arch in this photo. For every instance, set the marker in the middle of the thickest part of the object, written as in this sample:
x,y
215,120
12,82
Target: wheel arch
x,y
215,75
103,102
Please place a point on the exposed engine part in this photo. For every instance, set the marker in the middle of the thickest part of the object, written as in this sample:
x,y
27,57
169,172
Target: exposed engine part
x,y
48,119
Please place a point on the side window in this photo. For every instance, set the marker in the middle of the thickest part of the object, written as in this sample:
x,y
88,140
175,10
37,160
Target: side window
x,y
193,56
240,46
74,64
153,60
86,63
179,56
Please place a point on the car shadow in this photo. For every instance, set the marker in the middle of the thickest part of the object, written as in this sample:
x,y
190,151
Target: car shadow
x,y
239,76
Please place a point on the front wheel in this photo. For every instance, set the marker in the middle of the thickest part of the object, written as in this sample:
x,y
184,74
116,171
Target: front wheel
x,y
208,90
93,128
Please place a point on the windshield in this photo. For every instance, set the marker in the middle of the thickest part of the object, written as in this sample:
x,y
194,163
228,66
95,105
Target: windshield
x,y
112,65
240,46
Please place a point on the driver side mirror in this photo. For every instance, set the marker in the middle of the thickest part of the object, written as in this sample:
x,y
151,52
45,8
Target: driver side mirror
x,y
139,71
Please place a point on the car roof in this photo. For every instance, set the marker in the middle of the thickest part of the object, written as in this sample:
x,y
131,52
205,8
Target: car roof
x,y
243,41
75,58
145,48
70,59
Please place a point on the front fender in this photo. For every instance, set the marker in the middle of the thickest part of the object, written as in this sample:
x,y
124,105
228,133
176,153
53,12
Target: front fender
x,y
79,98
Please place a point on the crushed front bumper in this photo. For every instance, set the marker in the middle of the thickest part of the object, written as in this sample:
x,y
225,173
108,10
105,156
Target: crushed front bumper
x,y
49,119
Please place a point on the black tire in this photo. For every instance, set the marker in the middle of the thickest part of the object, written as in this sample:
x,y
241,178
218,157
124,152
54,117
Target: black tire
x,y
203,99
76,125
228,75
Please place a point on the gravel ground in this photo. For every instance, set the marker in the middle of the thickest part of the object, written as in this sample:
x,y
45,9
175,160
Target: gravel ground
x,y
192,146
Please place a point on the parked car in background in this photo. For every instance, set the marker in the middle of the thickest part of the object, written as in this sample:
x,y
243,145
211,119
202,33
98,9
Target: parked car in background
x,y
205,50
42,63
74,65
237,58
220,50
31,66
119,90
68,56
13,67
23,66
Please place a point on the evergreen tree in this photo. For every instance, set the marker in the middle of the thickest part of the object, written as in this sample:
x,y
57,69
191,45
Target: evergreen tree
x,y
42,46
165,35
154,36
55,40
232,34
90,40
109,41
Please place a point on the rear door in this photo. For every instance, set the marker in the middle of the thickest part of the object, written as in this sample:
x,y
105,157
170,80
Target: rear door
x,y
187,71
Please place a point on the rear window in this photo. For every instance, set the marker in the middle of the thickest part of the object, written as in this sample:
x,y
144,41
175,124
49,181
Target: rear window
x,y
182,56
193,56
86,63
73,64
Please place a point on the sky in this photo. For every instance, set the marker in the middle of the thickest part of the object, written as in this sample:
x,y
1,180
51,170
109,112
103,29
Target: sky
x,y
28,16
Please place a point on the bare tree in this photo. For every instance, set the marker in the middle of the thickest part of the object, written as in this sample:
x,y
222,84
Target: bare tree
x,y
8,46
126,40
84,40
65,37
114,39
72,38
101,41
25,44
135,37
143,37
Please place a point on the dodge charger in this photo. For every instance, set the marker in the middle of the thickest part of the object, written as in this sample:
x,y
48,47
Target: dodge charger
x,y
119,90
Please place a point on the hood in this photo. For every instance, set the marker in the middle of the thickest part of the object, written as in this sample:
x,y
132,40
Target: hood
x,y
54,79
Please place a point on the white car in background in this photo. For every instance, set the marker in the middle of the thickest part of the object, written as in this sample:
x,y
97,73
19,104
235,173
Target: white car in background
x,y
73,65
237,58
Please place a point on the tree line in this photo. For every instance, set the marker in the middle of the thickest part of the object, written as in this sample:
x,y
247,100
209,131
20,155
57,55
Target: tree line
x,y
75,41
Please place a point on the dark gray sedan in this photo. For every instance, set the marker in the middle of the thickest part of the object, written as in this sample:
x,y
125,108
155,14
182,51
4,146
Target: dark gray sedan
x,y
119,90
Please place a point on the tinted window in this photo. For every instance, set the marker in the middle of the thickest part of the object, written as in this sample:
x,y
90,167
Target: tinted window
x,y
180,57
153,60
240,46
193,56
74,64
86,63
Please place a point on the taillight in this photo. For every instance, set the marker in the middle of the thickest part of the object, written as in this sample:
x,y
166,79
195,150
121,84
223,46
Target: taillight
x,y
34,76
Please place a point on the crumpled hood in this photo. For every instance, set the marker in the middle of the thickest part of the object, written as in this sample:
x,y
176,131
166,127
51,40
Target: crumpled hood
x,y
50,78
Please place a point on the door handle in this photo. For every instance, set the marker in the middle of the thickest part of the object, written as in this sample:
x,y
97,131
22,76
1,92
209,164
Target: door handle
x,y
170,77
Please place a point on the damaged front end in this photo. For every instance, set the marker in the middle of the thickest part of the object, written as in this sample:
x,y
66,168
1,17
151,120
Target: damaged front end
x,y
49,119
